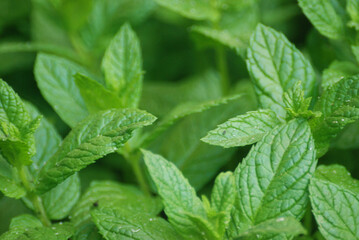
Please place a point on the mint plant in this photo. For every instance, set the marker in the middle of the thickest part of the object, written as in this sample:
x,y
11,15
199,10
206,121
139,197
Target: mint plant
x,y
245,147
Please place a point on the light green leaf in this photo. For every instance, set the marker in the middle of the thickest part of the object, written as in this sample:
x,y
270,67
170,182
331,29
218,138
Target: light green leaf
x,y
95,95
16,128
337,71
177,194
281,225
222,199
122,65
204,227
55,232
118,224
355,50
183,110
10,188
25,221
324,17
47,140
243,130
223,36
339,105
59,201
353,10
273,179
334,197
113,195
193,9
55,78
93,138
275,66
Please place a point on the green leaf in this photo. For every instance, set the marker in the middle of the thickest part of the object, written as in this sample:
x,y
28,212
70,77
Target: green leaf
x,y
95,95
334,197
243,130
47,140
339,106
116,224
193,9
281,225
183,110
56,232
337,71
10,188
177,194
25,221
93,138
55,78
353,10
272,180
59,201
324,17
204,227
223,36
16,128
122,65
275,66
112,195
222,199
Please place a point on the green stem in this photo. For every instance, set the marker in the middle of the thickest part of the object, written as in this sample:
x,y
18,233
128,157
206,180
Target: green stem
x,y
133,159
308,220
34,198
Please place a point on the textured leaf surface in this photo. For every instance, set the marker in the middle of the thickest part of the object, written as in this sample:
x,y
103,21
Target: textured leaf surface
x,y
25,221
335,201
243,130
337,71
287,225
275,66
272,180
339,105
323,16
10,188
119,224
177,194
113,195
93,138
194,9
16,128
95,95
122,65
59,201
55,78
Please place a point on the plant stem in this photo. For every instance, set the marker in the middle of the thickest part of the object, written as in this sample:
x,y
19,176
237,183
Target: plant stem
x,y
34,198
133,159
308,220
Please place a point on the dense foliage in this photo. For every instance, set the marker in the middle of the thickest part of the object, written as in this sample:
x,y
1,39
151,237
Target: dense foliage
x,y
179,119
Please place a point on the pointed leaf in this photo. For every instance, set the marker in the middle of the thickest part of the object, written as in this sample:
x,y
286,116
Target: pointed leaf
x,y
93,138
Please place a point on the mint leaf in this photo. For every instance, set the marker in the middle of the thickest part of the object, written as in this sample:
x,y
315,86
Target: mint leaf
x,y
243,130
177,194
119,224
337,71
113,195
183,110
335,202
323,16
353,9
275,66
283,225
194,9
222,199
16,128
122,65
339,107
93,138
25,221
95,95
10,188
59,201
54,76
272,180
